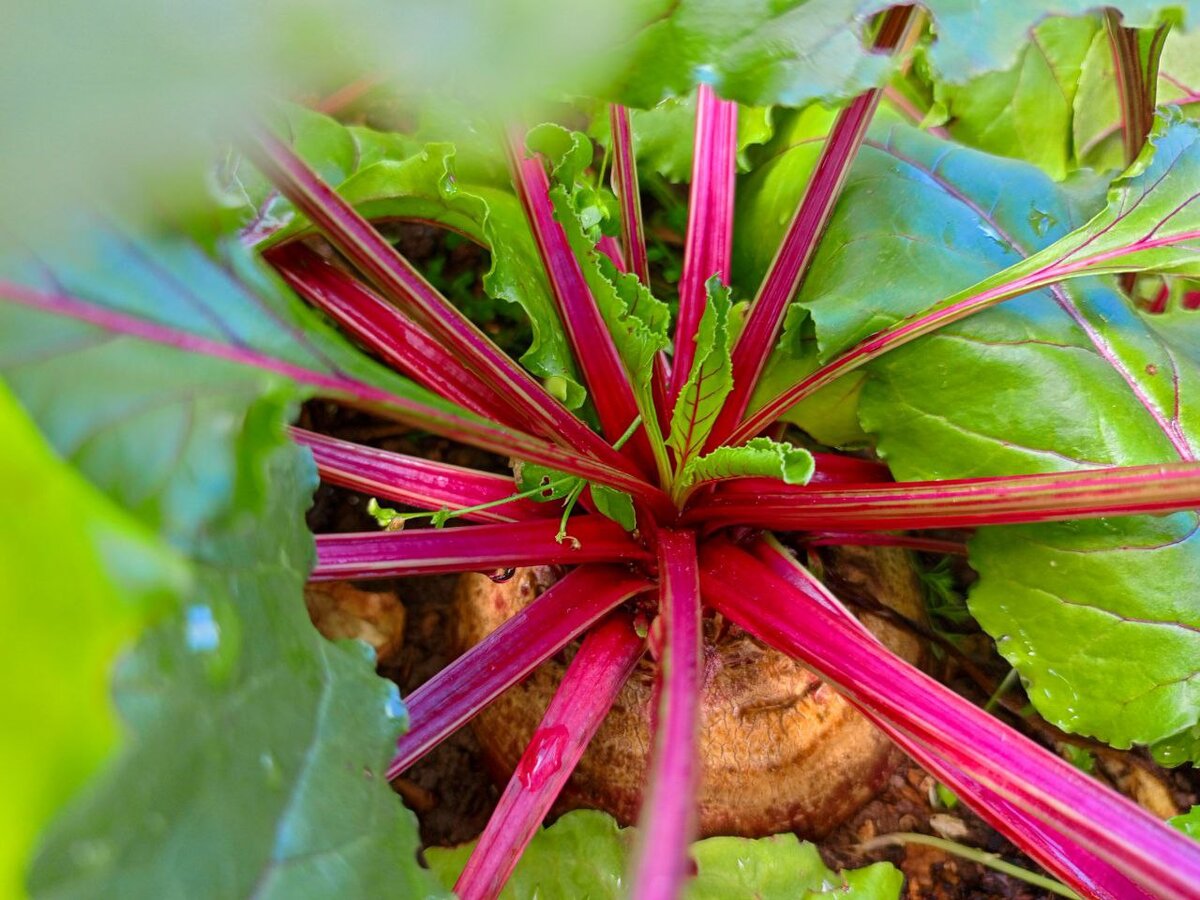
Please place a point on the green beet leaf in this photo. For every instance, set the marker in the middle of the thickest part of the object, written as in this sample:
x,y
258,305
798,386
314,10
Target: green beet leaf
x,y
585,854
1073,379
256,747
1027,111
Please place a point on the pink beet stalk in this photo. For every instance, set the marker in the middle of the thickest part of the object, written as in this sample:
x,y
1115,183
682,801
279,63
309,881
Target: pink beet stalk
x,y
591,683
668,816
416,412
925,715
1095,877
609,387
968,502
800,242
625,186
472,548
708,249
456,694
384,330
399,281
416,481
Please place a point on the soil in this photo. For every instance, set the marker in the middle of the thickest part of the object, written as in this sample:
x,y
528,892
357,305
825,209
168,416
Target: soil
x,y
453,797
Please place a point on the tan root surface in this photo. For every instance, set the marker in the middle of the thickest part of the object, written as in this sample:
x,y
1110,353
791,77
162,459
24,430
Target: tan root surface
x,y
780,749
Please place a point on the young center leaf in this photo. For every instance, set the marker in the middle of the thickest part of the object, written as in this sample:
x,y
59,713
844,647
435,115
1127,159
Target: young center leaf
x,y
710,379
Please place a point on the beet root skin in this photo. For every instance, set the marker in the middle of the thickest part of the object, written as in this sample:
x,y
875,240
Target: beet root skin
x,y
780,750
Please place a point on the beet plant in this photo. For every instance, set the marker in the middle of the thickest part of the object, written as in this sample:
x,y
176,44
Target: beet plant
x,y
880,330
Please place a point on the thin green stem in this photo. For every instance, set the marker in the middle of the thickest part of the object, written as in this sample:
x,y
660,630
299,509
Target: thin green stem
x,y
991,860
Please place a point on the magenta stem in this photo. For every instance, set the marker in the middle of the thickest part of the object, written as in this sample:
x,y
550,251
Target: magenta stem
x,y
609,387
794,615
460,427
416,481
708,248
385,331
667,824
625,186
457,693
1098,878
961,503
592,681
367,249
799,244
471,548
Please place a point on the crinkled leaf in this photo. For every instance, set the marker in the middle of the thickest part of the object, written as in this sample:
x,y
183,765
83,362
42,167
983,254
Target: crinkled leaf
x,y
234,694
1188,823
78,580
392,176
637,320
710,380
1027,111
585,854
1074,379
761,457
259,746
663,137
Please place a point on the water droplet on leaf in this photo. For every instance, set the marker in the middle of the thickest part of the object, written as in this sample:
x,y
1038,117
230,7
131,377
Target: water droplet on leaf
x,y
201,631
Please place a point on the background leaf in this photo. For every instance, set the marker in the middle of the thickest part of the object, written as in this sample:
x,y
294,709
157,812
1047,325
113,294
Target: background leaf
x,y
256,746
78,579
663,136
1074,379
585,854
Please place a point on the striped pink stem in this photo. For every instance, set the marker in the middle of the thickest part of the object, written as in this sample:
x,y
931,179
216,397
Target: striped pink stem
x,y
398,281
799,244
591,684
625,186
708,249
471,548
416,412
381,328
609,387
416,481
795,615
457,693
668,817
962,503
